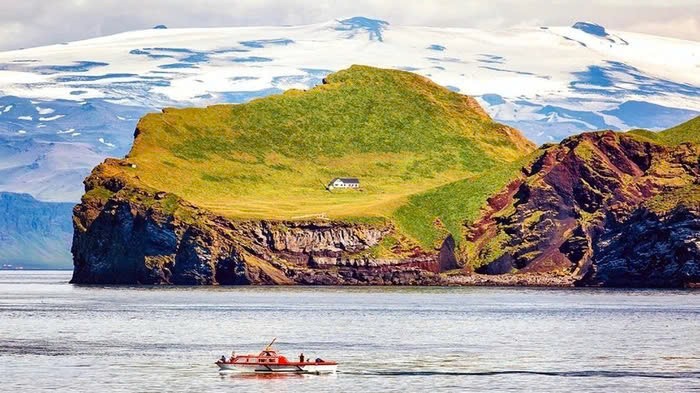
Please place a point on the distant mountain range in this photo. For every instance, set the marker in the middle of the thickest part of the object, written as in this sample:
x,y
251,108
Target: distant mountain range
x,y
65,107
34,234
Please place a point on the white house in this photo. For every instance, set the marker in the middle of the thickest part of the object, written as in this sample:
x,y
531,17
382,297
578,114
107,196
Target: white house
x,y
344,182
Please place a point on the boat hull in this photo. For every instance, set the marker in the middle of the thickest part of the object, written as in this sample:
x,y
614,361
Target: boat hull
x,y
307,368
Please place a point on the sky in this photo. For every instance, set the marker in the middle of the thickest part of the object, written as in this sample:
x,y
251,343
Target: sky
x,y
29,23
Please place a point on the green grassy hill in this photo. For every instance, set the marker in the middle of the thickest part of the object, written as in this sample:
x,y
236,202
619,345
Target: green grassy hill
x,y
684,132
419,149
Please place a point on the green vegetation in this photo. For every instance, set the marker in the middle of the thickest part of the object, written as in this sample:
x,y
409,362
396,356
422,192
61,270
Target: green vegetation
x,y
453,204
688,196
492,249
389,247
99,193
427,157
685,132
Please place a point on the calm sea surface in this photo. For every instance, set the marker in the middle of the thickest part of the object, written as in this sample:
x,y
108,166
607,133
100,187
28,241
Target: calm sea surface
x,y
60,337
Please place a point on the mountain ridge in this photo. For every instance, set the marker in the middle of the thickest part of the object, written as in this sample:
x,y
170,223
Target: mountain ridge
x,y
34,234
128,75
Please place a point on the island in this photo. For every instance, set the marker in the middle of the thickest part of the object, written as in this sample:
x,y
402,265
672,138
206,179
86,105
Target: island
x,y
383,177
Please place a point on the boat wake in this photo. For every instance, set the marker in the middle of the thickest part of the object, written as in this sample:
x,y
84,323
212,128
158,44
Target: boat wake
x,y
574,374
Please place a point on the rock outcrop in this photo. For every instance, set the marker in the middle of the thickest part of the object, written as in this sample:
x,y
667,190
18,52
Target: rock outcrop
x,y
651,248
125,236
581,209
599,209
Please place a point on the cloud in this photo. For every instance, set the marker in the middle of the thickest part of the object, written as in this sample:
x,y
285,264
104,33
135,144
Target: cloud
x,y
39,22
688,25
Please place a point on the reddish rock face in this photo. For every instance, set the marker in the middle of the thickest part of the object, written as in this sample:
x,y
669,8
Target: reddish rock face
x,y
561,215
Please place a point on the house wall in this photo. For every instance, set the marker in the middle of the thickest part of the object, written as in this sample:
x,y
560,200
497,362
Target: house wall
x,y
339,184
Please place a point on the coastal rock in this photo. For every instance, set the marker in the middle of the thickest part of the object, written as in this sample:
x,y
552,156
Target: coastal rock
x,y
599,209
125,236
650,249
579,210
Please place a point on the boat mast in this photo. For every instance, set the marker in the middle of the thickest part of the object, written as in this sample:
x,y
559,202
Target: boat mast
x,y
267,348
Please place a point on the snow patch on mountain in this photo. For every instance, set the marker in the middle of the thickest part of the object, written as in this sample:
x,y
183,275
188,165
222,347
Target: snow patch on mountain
x,y
51,118
108,144
44,111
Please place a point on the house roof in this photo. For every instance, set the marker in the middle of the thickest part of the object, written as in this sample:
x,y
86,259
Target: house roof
x,y
349,180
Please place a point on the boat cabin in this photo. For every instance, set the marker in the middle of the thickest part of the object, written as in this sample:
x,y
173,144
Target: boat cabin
x,y
267,356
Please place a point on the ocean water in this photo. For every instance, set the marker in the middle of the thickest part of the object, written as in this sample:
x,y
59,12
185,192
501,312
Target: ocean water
x,y
59,337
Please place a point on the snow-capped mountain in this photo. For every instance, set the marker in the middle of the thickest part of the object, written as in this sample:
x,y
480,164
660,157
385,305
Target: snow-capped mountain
x,y
65,107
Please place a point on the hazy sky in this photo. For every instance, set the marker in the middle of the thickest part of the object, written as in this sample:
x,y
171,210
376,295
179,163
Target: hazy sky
x,y
26,23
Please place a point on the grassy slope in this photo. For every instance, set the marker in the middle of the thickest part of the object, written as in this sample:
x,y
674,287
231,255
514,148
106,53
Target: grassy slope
x,y
419,149
678,193
453,204
688,196
685,132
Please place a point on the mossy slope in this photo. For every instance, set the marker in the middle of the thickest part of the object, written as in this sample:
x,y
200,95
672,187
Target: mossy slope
x,y
411,142
688,132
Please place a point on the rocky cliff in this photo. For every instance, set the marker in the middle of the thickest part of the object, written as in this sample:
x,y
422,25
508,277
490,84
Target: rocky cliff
x,y
125,235
602,209
234,194
658,245
585,208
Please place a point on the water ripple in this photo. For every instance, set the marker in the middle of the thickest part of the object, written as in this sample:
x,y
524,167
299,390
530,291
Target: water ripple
x,y
577,374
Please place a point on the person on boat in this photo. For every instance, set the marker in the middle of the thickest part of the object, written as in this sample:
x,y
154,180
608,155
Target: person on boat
x,y
301,358
223,359
233,355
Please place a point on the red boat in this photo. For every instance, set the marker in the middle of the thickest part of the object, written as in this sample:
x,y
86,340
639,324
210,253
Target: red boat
x,y
269,361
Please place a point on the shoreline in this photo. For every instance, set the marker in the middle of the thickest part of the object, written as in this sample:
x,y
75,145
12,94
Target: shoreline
x,y
467,280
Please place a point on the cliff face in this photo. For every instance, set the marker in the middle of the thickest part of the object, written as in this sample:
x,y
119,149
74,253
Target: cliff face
x,y
33,231
602,209
649,249
124,236
582,209
447,202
